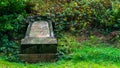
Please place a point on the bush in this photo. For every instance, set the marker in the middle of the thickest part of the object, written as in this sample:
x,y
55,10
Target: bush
x,y
81,14
12,27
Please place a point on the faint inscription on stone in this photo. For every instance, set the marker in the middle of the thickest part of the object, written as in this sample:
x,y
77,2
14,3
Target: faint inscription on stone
x,y
40,29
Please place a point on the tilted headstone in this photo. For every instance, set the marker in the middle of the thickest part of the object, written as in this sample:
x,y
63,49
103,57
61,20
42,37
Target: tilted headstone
x,y
39,43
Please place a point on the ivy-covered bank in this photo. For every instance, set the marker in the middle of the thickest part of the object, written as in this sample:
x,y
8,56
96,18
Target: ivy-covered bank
x,y
77,15
81,17
12,27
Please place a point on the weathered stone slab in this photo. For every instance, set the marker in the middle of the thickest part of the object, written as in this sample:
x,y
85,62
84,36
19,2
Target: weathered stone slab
x,y
37,40
40,29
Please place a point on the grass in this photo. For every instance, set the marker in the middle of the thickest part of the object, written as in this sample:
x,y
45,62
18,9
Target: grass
x,y
88,54
60,64
85,57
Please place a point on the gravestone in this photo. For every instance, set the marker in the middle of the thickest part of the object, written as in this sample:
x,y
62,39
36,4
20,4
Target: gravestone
x,y
39,43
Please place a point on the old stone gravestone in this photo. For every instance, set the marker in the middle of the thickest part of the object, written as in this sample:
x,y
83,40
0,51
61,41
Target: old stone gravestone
x,y
39,43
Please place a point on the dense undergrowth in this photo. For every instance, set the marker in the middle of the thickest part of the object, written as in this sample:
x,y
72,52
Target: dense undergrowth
x,y
77,55
75,15
78,17
92,49
12,27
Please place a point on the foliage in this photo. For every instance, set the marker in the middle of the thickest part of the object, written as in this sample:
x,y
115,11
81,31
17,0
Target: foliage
x,y
10,14
94,49
74,15
12,27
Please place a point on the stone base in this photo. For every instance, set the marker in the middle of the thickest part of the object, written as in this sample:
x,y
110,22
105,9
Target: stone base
x,y
33,58
38,40
38,49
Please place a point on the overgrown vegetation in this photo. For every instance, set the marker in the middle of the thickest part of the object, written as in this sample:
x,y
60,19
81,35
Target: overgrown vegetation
x,y
76,15
97,21
81,17
12,27
92,49
78,55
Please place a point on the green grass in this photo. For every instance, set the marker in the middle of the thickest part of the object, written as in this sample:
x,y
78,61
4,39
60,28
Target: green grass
x,y
60,64
84,57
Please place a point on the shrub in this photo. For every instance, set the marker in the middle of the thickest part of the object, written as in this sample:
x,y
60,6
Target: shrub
x,y
12,27
81,14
